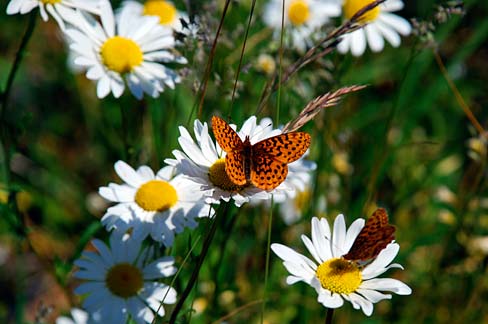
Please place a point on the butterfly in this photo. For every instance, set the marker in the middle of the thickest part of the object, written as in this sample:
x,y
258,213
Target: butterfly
x,y
263,164
373,237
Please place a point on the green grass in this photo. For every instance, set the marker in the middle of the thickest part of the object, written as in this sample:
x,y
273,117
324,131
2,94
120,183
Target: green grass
x,y
405,137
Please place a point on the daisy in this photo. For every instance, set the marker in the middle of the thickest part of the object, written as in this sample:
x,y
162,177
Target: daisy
x,y
59,9
122,283
379,24
336,279
79,316
166,11
203,161
128,50
157,205
301,19
294,203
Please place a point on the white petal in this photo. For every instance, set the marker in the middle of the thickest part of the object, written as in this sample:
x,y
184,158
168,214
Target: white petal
x,y
360,301
330,300
398,23
391,5
373,295
352,233
139,312
387,284
146,173
338,236
358,42
103,87
388,33
128,174
375,40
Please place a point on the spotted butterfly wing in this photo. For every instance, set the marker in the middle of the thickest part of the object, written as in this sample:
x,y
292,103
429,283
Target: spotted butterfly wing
x,y
270,157
227,138
264,164
232,144
376,234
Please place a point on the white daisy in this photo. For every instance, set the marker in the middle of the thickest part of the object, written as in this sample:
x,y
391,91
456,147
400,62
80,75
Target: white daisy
x,y
122,281
79,316
130,48
59,9
336,279
203,161
379,24
301,19
293,203
158,205
166,11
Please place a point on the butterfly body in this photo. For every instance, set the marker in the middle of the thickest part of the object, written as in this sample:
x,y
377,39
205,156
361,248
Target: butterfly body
x,y
264,164
376,234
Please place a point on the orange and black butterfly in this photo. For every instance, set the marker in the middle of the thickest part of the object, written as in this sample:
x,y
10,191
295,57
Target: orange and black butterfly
x,y
263,164
376,234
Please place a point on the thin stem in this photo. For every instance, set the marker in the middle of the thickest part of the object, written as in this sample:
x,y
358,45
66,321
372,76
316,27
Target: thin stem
x,y
4,96
457,94
266,269
328,317
198,266
208,68
242,55
15,66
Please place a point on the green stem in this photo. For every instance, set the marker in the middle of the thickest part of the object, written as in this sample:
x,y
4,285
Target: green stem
x,y
266,269
328,317
4,96
198,266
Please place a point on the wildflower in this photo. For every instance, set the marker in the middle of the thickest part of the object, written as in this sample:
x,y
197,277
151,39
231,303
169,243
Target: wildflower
x,y
129,49
266,64
166,11
378,24
203,161
301,19
79,316
158,205
336,279
60,10
122,280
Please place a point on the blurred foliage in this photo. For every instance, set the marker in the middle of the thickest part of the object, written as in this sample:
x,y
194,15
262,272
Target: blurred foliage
x,y
403,143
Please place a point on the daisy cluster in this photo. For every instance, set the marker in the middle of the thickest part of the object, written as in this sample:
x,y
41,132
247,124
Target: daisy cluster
x,y
304,22
135,47
128,48
158,206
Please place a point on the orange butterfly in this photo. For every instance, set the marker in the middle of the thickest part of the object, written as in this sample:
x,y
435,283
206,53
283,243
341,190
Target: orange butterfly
x,y
374,237
263,164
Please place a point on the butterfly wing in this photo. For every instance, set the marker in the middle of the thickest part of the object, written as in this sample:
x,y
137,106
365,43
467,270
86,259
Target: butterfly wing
x,y
227,138
284,148
373,237
234,167
266,172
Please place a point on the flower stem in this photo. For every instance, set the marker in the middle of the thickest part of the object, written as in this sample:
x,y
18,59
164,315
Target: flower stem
x,y
15,66
198,266
328,317
266,270
4,96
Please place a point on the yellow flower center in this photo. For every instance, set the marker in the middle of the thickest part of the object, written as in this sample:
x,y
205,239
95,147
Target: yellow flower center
x,y
302,200
266,64
351,7
156,195
165,10
339,276
50,1
298,12
121,54
124,280
218,176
